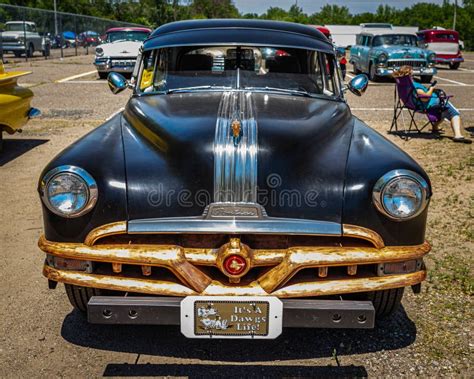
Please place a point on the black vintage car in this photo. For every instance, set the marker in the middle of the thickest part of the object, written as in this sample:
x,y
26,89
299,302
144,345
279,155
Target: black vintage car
x,y
236,193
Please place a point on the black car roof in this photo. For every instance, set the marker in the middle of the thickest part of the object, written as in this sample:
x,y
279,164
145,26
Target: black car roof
x,y
238,31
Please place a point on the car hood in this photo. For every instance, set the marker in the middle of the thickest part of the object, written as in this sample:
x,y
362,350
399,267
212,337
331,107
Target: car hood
x,y
405,52
10,35
294,166
121,48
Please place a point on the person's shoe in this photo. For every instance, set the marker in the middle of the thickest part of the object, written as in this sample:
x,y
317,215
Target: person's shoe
x,y
462,140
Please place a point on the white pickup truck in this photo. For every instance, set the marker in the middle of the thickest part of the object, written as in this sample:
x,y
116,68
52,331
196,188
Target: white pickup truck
x,y
22,38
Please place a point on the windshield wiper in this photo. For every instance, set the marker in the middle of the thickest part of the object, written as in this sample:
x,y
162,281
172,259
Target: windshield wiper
x,y
283,90
195,88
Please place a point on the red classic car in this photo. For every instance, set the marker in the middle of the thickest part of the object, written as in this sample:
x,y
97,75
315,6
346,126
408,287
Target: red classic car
x,y
445,43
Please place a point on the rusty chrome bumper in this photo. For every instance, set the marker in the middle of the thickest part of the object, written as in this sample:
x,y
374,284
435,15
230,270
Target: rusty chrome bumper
x,y
307,289
281,266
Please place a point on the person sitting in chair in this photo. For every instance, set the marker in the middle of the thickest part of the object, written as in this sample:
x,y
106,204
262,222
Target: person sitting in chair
x,y
431,98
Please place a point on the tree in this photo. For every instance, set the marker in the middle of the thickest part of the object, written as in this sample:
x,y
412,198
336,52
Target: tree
x,y
332,14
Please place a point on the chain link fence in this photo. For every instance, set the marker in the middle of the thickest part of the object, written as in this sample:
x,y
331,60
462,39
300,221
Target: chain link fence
x,y
31,33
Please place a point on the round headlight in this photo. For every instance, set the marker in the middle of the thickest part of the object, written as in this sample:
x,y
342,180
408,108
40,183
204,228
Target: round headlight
x,y
99,51
431,57
382,58
401,194
68,191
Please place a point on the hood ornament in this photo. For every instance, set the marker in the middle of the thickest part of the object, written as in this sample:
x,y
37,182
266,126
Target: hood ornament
x,y
236,127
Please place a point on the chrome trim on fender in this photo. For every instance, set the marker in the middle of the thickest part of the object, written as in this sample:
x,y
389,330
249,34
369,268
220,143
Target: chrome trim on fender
x,y
391,176
235,157
91,184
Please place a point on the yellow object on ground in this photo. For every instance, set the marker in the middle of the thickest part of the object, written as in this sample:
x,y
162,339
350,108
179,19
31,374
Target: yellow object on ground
x,y
15,109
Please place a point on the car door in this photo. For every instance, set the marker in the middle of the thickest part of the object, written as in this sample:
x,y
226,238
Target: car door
x,y
364,53
34,37
355,52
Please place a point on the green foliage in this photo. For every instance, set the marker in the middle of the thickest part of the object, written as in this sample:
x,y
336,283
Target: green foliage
x,y
157,12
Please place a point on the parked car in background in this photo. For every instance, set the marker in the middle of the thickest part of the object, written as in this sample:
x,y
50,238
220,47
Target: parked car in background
x,y
379,52
340,51
445,43
119,51
236,193
22,38
88,38
15,109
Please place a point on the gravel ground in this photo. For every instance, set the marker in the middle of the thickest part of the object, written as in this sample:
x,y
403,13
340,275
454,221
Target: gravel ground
x,y
40,335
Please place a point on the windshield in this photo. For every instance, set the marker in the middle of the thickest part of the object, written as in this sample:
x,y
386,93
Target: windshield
x,y
445,37
17,27
272,69
395,39
126,36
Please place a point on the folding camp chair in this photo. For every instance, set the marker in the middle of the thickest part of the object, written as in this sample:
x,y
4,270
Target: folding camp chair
x,y
406,98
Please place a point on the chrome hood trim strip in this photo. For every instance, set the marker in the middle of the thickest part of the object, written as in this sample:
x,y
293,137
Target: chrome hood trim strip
x,y
235,159
267,225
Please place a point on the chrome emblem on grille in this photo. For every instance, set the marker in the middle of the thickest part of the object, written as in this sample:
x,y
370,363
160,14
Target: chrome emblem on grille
x,y
236,131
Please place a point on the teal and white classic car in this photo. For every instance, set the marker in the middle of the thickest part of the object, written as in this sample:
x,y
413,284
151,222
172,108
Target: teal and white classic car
x,y
379,52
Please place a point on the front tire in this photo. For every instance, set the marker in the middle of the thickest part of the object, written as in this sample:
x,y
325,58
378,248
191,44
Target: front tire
x,y
80,296
386,302
426,78
373,73
454,66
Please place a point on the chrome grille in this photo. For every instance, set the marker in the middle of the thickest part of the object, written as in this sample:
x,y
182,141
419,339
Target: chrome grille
x,y
407,62
10,39
123,62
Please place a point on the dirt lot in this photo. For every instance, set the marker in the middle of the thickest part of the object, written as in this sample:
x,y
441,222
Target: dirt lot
x,y
41,336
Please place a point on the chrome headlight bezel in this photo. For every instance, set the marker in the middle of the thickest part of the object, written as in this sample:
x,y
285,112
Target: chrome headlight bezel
x,y
389,178
99,52
382,59
431,57
78,173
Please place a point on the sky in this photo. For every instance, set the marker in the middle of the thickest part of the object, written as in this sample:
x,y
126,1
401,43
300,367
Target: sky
x,y
311,6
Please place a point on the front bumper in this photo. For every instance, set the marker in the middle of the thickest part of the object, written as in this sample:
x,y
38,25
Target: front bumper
x,y
297,313
449,60
12,47
417,71
171,270
114,65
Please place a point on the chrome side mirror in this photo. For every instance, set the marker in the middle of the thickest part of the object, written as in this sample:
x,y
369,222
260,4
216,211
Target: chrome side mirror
x,y
358,84
117,83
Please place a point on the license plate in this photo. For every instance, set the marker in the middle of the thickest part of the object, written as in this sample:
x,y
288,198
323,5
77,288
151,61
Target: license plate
x,y
231,317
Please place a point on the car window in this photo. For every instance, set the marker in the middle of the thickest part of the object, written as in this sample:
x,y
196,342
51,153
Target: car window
x,y
124,35
396,39
305,72
445,36
17,27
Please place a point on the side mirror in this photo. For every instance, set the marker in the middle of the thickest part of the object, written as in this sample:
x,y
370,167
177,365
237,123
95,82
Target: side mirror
x,y
358,84
117,83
